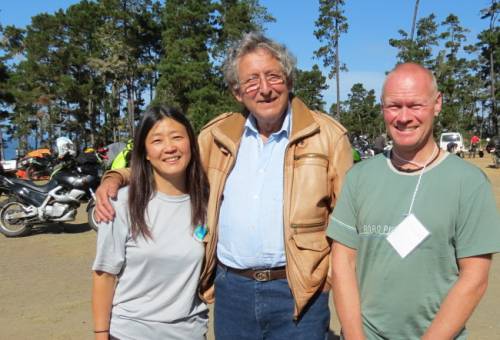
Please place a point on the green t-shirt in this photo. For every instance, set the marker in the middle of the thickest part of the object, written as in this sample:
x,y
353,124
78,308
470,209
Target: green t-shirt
x,y
400,297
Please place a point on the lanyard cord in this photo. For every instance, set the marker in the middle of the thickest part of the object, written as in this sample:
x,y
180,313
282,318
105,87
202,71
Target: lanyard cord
x,y
420,165
419,176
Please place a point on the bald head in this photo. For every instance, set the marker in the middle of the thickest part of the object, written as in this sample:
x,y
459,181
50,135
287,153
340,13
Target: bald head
x,y
414,72
410,102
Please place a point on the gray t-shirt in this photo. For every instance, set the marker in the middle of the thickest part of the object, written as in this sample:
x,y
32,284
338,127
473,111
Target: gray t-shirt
x,y
401,296
156,293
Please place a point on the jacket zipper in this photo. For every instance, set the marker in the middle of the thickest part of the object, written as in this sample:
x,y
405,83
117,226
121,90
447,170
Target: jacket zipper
x,y
287,150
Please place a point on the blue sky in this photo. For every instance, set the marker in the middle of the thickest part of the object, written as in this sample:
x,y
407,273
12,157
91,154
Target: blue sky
x,y
364,48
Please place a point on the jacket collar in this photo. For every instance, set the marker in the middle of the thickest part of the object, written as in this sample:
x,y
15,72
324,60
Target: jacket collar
x,y
229,132
303,123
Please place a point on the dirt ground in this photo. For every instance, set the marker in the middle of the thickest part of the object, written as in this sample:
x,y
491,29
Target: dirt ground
x,y
45,282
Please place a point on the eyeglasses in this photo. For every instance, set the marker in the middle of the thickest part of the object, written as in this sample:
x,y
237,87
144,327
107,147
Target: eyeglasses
x,y
253,83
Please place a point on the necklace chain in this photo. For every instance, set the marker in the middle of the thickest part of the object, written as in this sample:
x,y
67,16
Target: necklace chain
x,y
429,161
420,165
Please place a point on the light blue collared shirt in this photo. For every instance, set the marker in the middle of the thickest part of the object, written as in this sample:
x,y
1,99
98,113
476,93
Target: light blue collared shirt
x,y
251,213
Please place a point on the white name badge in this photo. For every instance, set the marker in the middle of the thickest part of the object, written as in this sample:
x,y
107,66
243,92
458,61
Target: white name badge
x,y
407,235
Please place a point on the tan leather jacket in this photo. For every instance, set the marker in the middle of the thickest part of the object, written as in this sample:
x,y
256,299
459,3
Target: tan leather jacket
x,y
316,160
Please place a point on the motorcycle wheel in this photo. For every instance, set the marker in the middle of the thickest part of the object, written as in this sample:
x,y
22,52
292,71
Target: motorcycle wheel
x,y
12,227
90,215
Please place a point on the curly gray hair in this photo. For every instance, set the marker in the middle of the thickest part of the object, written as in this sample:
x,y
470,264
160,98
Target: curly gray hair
x,y
248,44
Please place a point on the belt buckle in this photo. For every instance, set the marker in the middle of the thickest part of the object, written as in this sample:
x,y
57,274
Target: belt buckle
x,y
262,275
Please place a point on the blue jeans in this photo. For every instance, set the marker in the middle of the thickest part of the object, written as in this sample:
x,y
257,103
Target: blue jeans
x,y
248,309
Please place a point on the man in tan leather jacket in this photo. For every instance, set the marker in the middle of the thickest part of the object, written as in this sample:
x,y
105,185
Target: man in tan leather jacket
x,y
275,173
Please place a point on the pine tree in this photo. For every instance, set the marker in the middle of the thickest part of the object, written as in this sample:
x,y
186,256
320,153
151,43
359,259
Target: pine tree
x,y
452,72
489,40
186,70
80,85
128,51
232,18
196,36
420,49
6,96
329,26
362,113
309,85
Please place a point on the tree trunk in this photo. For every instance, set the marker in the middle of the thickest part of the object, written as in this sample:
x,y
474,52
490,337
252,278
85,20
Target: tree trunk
x,y
115,110
494,113
361,124
38,140
50,127
131,107
337,63
414,20
1,145
92,120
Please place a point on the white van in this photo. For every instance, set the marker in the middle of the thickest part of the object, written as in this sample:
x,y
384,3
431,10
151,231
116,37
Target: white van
x,y
452,137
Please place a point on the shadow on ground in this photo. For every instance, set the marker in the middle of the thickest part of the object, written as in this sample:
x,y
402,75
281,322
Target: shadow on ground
x,y
59,228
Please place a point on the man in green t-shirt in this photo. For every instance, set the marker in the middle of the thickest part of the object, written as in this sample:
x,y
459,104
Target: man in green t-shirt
x,y
413,230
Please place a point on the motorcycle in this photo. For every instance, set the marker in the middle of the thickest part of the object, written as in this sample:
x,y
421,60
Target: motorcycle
x,y
36,167
94,162
117,160
29,204
363,147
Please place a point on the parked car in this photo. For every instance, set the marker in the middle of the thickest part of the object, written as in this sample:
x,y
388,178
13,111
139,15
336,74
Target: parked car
x,y
8,167
452,142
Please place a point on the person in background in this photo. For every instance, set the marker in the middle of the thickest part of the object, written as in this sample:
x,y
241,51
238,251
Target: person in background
x,y
474,144
148,260
379,143
413,231
275,173
122,160
451,147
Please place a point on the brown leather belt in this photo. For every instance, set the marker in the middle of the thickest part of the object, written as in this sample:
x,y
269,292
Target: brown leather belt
x,y
261,275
